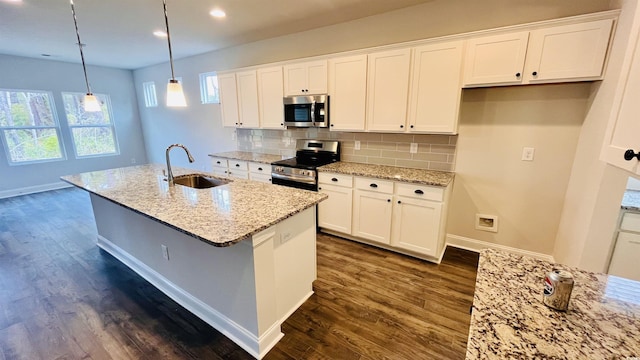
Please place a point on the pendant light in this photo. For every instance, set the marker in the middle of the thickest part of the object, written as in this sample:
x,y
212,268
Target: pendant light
x,y
91,103
175,95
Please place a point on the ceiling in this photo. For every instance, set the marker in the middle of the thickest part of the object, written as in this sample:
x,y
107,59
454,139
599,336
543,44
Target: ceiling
x,y
118,33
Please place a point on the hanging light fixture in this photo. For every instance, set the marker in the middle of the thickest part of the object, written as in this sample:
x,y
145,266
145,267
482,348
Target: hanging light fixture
x,y
91,103
175,95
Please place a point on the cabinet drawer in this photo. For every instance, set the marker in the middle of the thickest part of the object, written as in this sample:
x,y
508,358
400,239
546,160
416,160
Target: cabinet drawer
x,y
420,191
265,178
238,165
335,179
260,168
376,185
630,222
219,162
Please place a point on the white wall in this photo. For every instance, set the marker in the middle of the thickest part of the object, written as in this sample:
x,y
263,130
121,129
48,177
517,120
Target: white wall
x,y
56,77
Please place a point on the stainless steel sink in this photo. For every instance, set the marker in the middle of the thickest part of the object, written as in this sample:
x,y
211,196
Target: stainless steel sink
x,y
199,181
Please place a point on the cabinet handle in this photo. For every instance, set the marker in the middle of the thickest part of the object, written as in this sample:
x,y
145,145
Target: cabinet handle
x,y
259,169
281,124
419,192
388,200
373,185
399,202
629,155
318,188
411,126
217,162
534,73
401,126
237,165
236,123
334,179
518,74
331,125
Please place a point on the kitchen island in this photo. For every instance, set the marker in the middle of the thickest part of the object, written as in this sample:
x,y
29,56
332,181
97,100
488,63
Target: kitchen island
x,y
240,256
510,321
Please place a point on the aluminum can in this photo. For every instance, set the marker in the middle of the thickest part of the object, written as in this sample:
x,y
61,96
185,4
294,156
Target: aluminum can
x,y
558,285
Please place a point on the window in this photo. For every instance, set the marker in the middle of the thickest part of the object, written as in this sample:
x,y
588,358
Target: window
x,y
93,133
29,126
209,93
150,97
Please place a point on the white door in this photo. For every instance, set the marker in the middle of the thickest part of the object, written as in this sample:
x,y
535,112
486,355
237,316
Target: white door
x,y
335,212
372,216
348,92
228,99
248,113
497,59
270,94
388,90
568,52
434,100
416,225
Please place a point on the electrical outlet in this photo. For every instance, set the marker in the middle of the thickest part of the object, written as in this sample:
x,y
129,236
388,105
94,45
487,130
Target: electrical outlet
x,y
357,144
527,153
414,148
165,252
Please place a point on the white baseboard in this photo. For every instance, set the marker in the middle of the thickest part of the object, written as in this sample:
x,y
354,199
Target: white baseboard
x,y
33,189
257,347
477,245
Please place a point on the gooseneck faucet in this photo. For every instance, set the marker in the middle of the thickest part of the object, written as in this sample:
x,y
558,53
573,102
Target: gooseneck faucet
x,y
169,172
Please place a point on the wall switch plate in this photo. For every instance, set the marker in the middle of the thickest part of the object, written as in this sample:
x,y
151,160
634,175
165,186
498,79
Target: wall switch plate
x,y
357,145
165,252
414,148
528,153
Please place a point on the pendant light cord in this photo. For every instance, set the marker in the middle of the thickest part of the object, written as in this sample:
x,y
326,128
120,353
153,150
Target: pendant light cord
x,y
84,67
166,21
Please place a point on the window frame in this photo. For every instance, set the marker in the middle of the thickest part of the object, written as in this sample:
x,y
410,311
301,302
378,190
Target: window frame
x,y
204,93
150,94
112,125
56,127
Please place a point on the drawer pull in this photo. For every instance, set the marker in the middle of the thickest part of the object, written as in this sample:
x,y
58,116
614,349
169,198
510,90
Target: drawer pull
x,y
373,185
259,169
217,162
399,202
388,200
237,165
419,192
334,179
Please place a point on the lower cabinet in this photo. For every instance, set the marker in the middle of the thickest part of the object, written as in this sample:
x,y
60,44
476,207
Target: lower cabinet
x,y
624,261
239,169
402,217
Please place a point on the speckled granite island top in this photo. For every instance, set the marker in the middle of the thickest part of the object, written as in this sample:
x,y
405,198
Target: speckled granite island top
x,y
415,176
249,156
509,320
221,215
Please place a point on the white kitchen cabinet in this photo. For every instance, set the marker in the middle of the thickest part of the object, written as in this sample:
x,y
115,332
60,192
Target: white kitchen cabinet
x,y
270,94
228,99
372,209
305,78
335,213
238,169
388,90
434,100
417,223
260,172
219,166
624,121
247,89
574,52
624,261
348,92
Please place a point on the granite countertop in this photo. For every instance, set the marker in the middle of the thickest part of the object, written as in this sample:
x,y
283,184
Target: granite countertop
x,y
631,200
249,156
221,215
415,176
509,319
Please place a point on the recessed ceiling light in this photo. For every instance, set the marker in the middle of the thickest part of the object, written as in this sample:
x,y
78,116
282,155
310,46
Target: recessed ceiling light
x,y
12,1
160,33
217,13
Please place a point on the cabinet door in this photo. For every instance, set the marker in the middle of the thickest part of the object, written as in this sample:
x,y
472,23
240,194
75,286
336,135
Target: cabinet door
x,y
348,92
335,212
248,114
434,100
270,93
295,79
317,77
388,90
372,216
495,60
568,52
416,225
624,122
624,262
305,78
228,99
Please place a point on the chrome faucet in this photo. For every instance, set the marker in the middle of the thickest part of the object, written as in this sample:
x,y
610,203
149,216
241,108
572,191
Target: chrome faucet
x,y
169,172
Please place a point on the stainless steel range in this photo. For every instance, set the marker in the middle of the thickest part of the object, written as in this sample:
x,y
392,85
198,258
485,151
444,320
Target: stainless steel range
x,y
300,171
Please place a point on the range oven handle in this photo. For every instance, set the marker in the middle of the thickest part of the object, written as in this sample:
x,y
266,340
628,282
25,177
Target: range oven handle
x,y
302,179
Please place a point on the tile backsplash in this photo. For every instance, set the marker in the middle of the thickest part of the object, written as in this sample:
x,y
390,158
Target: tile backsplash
x,y
435,152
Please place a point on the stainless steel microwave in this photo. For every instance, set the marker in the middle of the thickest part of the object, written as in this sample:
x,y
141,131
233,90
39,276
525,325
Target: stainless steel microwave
x,y
306,111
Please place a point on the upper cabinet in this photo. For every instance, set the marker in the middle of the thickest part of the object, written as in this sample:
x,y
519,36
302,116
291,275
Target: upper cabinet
x,y
305,78
348,92
574,52
270,93
247,87
388,90
434,100
228,99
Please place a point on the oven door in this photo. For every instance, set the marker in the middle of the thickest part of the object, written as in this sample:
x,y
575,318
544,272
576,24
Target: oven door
x,y
289,181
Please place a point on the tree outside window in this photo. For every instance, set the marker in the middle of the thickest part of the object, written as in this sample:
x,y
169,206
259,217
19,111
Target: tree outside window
x,y
93,133
29,126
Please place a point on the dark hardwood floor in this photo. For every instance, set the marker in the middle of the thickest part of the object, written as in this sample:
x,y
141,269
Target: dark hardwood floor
x,y
63,298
